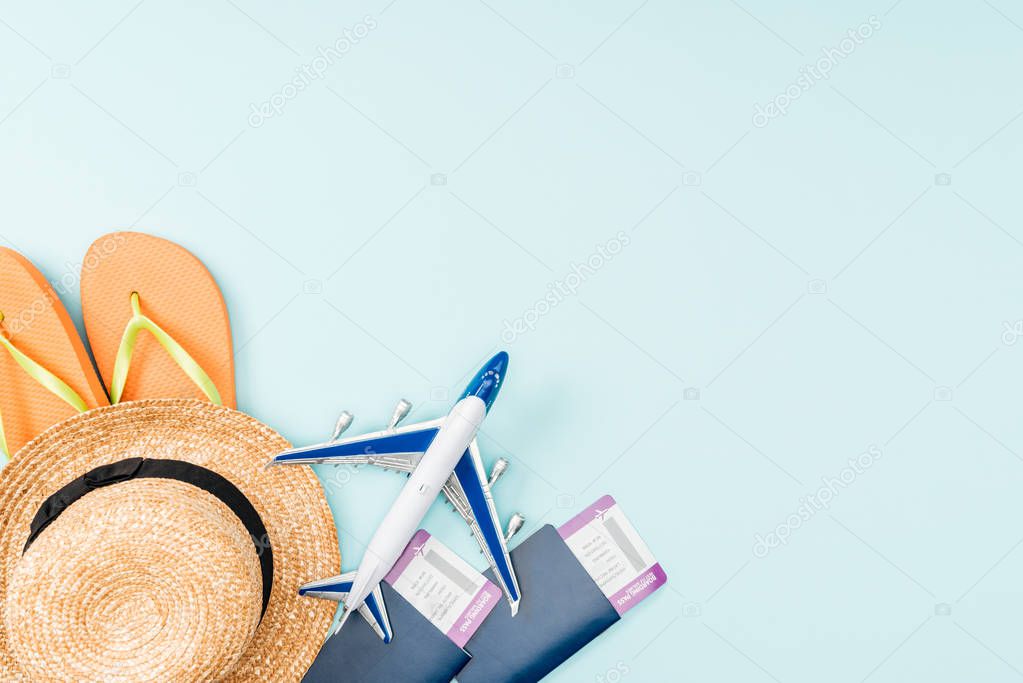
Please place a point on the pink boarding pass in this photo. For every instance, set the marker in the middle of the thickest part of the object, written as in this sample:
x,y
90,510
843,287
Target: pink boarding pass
x,y
443,587
608,547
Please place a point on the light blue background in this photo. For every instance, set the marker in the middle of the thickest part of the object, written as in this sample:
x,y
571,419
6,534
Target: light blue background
x,y
816,284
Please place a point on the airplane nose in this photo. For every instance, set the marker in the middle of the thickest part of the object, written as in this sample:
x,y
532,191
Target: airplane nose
x,y
487,383
499,363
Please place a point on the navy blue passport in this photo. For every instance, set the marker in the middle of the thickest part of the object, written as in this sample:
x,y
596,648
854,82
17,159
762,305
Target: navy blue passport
x,y
562,609
418,653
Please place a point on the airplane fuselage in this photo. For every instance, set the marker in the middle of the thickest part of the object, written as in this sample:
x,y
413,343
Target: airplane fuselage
x,y
404,518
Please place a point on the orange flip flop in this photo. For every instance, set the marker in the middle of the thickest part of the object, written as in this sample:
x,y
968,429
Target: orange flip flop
x,y
156,320
45,372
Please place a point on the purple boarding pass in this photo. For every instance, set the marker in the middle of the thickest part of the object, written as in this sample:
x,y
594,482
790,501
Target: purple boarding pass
x,y
608,547
443,587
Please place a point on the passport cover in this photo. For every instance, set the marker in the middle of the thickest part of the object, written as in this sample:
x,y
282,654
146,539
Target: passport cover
x,y
419,652
562,609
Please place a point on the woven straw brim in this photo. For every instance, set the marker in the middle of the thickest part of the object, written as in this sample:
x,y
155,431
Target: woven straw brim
x,y
290,503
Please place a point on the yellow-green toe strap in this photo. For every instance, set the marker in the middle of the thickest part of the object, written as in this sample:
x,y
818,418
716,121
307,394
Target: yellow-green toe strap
x,y
122,362
50,381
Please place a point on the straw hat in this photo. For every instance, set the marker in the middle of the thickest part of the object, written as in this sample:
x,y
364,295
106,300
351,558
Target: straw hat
x,y
145,541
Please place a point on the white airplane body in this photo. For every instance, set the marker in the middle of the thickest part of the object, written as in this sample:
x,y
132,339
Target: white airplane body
x,y
439,456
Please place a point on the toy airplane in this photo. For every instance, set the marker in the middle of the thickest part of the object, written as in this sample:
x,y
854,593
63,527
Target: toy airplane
x,y
438,456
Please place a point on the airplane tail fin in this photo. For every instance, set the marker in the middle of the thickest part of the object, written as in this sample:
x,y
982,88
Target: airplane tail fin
x,y
375,612
373,609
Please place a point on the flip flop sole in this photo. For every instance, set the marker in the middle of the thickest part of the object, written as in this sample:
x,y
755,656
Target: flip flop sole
x,y
177,292
38,325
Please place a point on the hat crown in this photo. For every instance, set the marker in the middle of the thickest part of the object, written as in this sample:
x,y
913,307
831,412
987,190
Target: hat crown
x,y
133,582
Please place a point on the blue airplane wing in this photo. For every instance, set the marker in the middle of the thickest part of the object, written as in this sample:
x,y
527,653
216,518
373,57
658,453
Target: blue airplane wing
x,y
398,449
469,493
